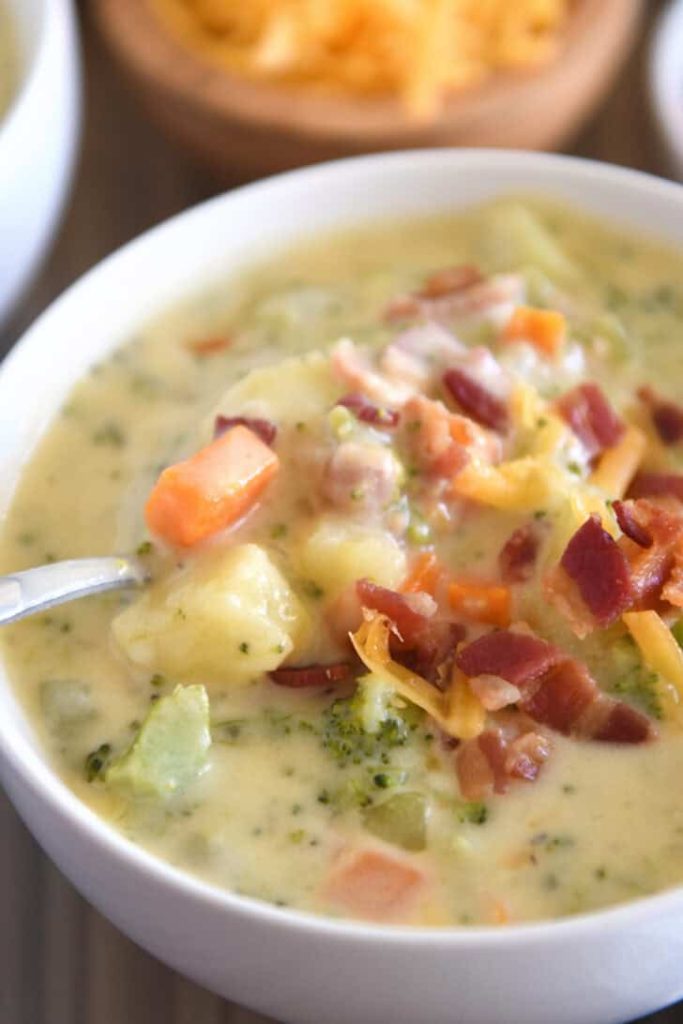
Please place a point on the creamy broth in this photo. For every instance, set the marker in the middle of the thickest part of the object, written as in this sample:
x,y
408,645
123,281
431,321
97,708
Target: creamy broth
x,y
287,793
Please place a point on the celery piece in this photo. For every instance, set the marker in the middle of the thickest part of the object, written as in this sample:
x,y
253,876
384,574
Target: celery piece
x,y
170,750
401,820
514,237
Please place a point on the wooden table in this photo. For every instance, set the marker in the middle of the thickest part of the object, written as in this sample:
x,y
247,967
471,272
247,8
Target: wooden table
x,y
60,961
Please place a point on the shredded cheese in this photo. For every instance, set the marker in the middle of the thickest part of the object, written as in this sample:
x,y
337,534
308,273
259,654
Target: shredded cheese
x,y
418,50
662,655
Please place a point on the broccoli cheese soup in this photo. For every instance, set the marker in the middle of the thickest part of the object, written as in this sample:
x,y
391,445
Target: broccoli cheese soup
x,y
8,61
411,504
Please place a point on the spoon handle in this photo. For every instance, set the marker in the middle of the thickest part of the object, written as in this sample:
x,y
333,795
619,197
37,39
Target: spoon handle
x,y
34,590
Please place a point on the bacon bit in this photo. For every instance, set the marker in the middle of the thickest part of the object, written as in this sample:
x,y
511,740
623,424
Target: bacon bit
x,y
351,366
368,413
591,417
518,555
565,692
450,280
494,692
360,477
598,567
651,566
561,591
476,401
629,525
423,644
673,589
210,346
666,416
264,429
491,761
311,675
653,485
402,307
441,441
519,658
526,755
613,721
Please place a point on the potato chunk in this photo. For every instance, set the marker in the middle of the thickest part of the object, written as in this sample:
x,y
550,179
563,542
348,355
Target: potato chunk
x,y
226,618
339,552
296,390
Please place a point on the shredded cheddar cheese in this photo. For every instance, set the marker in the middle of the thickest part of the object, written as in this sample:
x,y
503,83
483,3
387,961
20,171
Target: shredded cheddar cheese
x,y
418,50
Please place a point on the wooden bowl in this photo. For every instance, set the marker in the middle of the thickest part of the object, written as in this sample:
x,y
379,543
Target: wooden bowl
x,y
237,126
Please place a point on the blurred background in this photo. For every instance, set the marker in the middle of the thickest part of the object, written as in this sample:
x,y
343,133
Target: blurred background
x,y
174,115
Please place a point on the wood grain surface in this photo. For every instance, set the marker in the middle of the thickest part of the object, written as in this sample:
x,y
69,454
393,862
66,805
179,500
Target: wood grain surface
x,y
60,961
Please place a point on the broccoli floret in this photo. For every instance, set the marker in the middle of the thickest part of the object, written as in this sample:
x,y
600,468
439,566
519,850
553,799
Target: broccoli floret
x,y
473,813
346,737
631,679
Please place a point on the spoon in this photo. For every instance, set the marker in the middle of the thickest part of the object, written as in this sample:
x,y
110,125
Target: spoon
x,y
35,590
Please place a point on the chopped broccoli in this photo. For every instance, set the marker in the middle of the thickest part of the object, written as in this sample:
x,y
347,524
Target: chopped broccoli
x,y
631,679
473,813
348,739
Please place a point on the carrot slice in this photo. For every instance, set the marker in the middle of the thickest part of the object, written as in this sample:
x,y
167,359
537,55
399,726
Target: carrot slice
x,y
196,498
424,575
374,884
481,602
546,329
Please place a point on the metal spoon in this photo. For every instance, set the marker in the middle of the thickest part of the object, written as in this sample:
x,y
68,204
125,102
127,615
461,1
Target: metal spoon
x,y
35,590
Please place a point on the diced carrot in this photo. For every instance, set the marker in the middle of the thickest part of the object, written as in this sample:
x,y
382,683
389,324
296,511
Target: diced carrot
x,y
196,498
546,329
424,575
481,602
374,884
209,346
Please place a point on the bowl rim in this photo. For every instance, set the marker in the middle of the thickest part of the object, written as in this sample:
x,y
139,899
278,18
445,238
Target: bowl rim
x,y
29,65
41,779
665,56
198,83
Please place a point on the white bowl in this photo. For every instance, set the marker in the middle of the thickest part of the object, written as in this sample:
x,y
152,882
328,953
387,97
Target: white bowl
x,y
666,82
593,969
38,137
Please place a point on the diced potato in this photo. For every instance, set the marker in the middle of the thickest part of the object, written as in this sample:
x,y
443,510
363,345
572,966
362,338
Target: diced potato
x,y
513,237
338,552
227,618
293,391
170,750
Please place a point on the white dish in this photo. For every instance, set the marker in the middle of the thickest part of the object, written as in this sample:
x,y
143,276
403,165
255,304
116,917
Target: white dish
x,y
593,969
666,82
38,136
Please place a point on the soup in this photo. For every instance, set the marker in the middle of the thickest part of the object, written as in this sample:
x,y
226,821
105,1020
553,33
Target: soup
x,y
8,61
410,503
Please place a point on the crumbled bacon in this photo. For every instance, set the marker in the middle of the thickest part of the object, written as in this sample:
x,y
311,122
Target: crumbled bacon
x,y
612,721
666,416
629,525
360,477
598,567
519,658
655,485
476,401
311,675
479,297
450,280
492,760
651,566
591,417
517,557
264,429
564,693
367,412
422,643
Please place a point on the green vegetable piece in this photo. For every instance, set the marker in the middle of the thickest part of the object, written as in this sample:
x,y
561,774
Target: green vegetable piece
x,y
473,813
170,750
66,702
401,820
97,761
